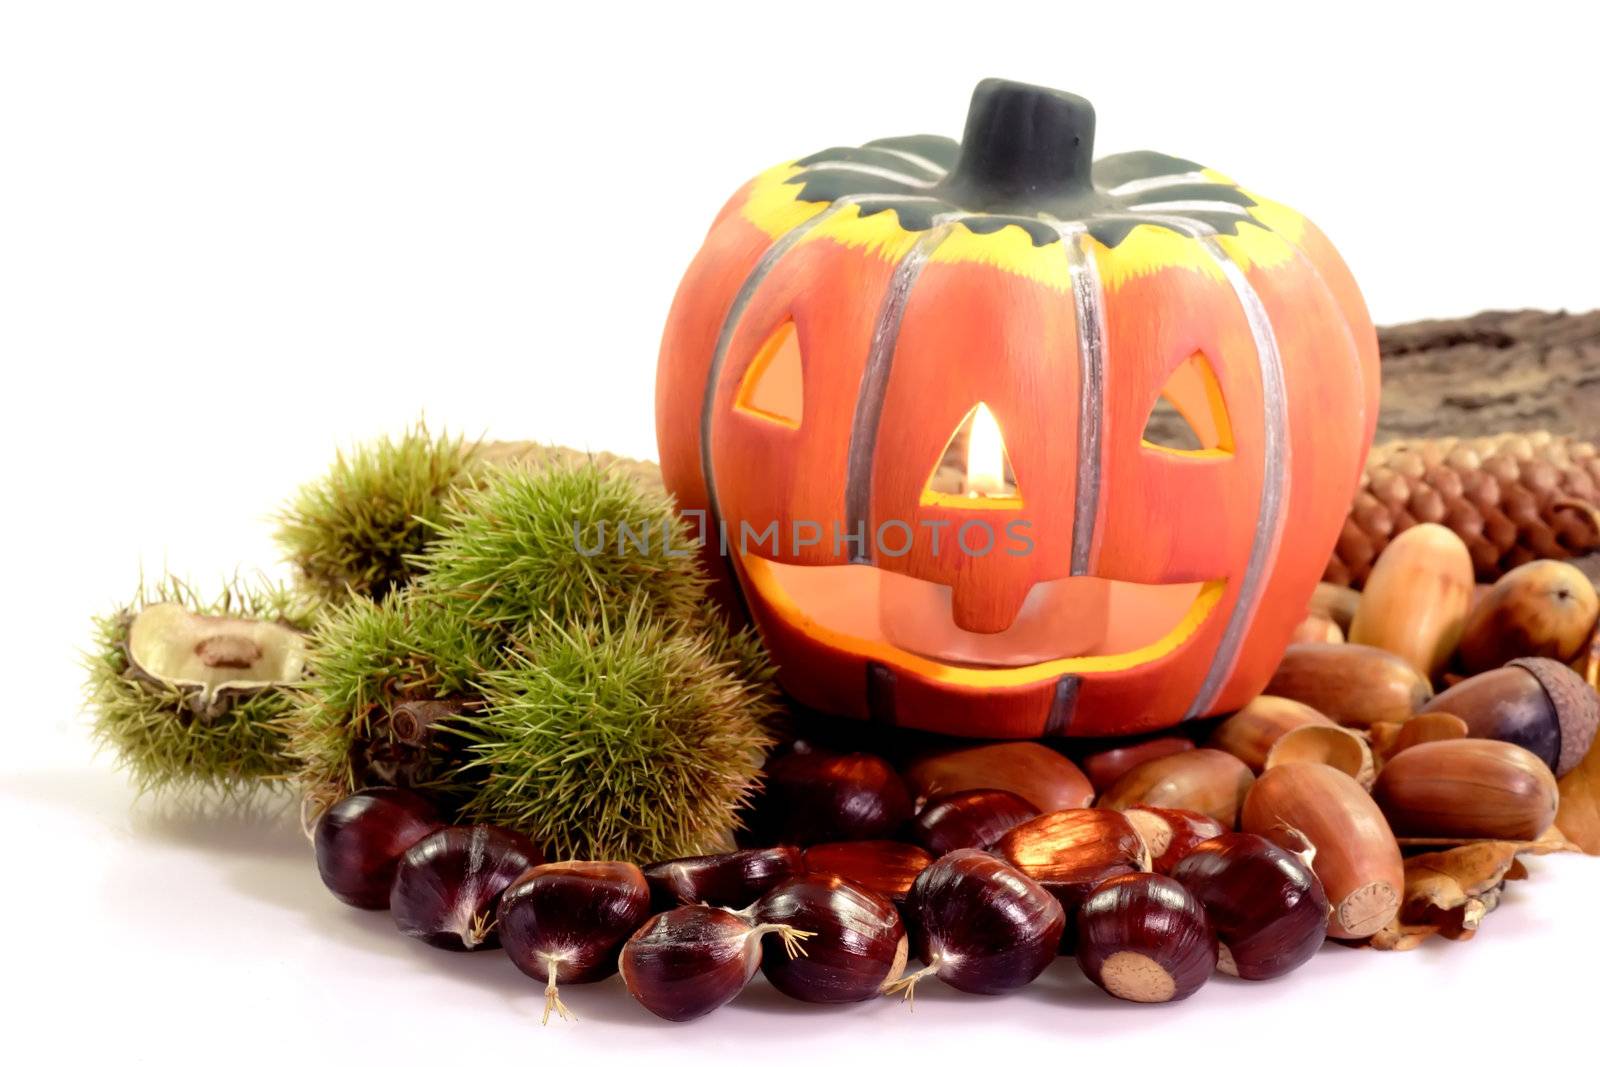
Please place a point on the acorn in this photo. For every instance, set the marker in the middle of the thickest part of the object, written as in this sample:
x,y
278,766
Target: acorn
x,y
1205,780
980,925
566,922
1250,732
1071,852
687,962
1314,629
1041,776
813,796
447,886
1544,608
885,867
1387,738
1336,746
1145,938
1268,909
1168,834
1357,858
1468,789
1416,599
975,818
725,880
359,841
1336,602
1540,704
858,946
1106,766
1355,685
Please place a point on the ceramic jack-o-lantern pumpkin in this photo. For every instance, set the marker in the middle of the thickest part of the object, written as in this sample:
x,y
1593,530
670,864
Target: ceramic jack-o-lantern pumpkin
x,y
907,389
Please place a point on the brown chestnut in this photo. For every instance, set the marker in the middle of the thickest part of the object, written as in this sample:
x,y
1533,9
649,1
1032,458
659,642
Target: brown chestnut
x,y
813,796
884,867
1107,765
1206,780
1144,937
1041,776
725,880
980,924
448,885
1539,704
1168,834
1357,858
1355,685
974,818
1544,608
1071,852
566,922
1468,789
359,841
858,947
687,962
1268,909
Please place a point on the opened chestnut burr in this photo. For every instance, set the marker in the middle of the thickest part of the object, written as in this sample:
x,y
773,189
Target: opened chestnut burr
x,y
814,796
1268,909
359,841
1144,937
687,962
980,924
448,885
725,880
858,947
884,867
566,922
975,818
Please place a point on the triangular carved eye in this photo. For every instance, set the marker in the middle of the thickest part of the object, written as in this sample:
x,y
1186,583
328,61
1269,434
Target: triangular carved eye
x,y
1189,418
774,387
975,469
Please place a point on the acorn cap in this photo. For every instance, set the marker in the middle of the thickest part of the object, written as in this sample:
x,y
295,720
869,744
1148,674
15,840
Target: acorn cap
x,y
1577,707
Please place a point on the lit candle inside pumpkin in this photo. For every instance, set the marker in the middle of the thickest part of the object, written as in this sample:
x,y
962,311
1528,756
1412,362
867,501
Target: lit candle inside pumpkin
x,y
986,456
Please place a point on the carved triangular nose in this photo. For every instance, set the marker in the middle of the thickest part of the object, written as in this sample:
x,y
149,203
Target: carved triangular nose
x,y
975,468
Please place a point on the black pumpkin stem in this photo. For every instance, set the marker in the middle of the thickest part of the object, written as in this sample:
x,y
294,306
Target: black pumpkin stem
x,y
1026,149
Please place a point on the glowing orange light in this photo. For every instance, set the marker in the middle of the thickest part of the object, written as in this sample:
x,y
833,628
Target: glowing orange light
x,y
986,456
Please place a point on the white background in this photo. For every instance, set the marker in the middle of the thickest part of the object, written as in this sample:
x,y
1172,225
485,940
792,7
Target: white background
x,y
235,237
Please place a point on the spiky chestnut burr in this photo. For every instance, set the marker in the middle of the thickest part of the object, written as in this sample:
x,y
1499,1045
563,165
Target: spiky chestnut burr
x,y
724,880
692,960
859,947
974,818
1268,909
980,924
359,842
448,885
813,796
1144,937
566,922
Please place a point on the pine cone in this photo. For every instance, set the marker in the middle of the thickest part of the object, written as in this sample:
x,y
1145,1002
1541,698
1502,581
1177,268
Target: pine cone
x,y
1513,497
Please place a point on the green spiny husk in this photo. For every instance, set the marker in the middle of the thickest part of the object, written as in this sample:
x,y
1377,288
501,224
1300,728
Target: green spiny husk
x,y
627,738
533,548
163,746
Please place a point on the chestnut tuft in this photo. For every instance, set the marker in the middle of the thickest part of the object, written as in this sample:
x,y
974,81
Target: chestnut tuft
x,y
1267,908
448,885
974,818
885,867
726,880
858,948
1144,937
359,841
567,921
1168,834
980,924
692,960
814,796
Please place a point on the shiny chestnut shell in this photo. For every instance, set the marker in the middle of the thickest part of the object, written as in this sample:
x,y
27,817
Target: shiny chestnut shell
x,y
887,868
973,818
1170,834
859,944
448,885
567,921
724,880
1144,937
814,796
359,841
687,962
1071,852
1268,909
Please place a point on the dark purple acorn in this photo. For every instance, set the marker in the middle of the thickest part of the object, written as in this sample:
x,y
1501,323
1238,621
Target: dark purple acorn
x,y
726,880
813,796
1268,909
859,947
1143,937
689,961
566,922
448,884
980,924
974,818
359,841
884,867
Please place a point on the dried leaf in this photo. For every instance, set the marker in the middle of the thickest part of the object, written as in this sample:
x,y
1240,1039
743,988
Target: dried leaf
x,y
1579,814
1450,892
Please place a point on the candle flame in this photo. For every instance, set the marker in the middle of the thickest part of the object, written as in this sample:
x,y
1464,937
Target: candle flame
x,y
986,456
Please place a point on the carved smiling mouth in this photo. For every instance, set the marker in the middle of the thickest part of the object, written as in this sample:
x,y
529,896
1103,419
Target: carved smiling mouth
x,y
1077,625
